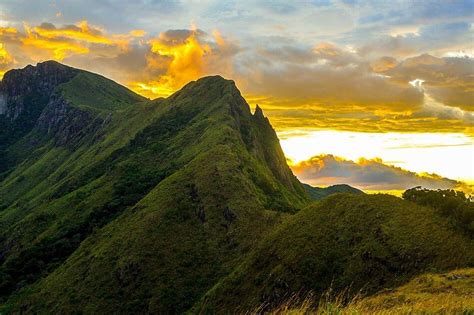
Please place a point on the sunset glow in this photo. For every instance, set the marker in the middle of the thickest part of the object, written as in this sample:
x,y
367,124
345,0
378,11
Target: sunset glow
x,y
361,82
449,155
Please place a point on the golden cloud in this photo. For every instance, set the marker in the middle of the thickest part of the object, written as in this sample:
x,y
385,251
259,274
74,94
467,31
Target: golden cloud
x,y
79,32
60,48
137,33
321,86
47,41
180,56
5,60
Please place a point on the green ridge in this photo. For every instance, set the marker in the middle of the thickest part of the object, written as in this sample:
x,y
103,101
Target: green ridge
x,y
111,203
368,242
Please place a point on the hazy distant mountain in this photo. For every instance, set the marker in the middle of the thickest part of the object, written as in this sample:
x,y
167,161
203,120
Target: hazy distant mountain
x,y
317,193
111,203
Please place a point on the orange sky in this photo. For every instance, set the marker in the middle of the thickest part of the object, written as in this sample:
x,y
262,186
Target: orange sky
x,y
412,79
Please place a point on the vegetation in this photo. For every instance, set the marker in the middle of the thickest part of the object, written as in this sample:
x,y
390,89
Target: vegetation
x,y
185,191
88,90
446,293
368,242
317,193
449,203
110,203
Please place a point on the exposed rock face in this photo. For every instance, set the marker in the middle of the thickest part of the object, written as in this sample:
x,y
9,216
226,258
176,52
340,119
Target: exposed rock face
x,y
24,93
27,90
65,123
3,104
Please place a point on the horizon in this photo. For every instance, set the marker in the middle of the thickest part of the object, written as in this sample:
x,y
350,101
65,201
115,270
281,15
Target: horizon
x,y
390,92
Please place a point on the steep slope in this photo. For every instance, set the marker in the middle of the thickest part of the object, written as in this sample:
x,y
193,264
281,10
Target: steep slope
x,y
23,95
317,193
344,241
170,206
52,100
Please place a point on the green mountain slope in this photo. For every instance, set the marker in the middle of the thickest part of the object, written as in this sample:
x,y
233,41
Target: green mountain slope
x,y
175,197
54,102
368,242
111,203
317,193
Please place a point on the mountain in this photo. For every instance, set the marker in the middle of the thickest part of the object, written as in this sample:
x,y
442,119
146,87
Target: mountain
x,y
55,101
344,242
113,203
144,205
317,193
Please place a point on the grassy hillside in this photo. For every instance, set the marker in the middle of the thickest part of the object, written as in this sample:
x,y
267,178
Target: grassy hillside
x,y
110,203
89,90
444,293
368,242
168,213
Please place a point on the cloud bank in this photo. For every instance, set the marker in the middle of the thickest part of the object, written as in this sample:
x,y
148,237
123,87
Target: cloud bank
x,y
334,64
325,170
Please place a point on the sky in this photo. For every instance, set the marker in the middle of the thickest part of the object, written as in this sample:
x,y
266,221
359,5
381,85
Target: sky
x,y
378,94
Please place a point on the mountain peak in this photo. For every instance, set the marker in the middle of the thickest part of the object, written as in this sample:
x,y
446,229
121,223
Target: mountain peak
x,y
258,112
50,69
207,84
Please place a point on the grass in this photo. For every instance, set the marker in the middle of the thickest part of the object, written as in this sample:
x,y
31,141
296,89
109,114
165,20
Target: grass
x,y
91,91
186,204
359,241
153,218
445,293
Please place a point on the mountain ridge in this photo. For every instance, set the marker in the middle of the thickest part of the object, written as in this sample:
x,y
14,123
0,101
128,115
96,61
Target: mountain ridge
x,y
110,203
202,143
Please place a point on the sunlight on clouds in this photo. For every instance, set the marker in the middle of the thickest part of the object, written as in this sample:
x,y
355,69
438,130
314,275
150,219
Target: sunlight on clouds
x,y
5,60
186,59
5,57
137,33
81,32
59,48
47,41
446,154
8,30
369,174
182,57
185,63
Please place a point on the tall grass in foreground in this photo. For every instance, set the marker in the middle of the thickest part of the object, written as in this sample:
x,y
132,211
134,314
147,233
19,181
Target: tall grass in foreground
x,y
450,293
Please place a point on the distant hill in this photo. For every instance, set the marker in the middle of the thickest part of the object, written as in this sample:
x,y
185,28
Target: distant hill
x,y
114,204
368,242
317,193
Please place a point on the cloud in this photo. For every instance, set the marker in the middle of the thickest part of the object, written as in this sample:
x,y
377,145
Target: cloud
x,y
414,39
5,60
383,64
449,80
46,41
179,56
324,170
332,76
314,85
